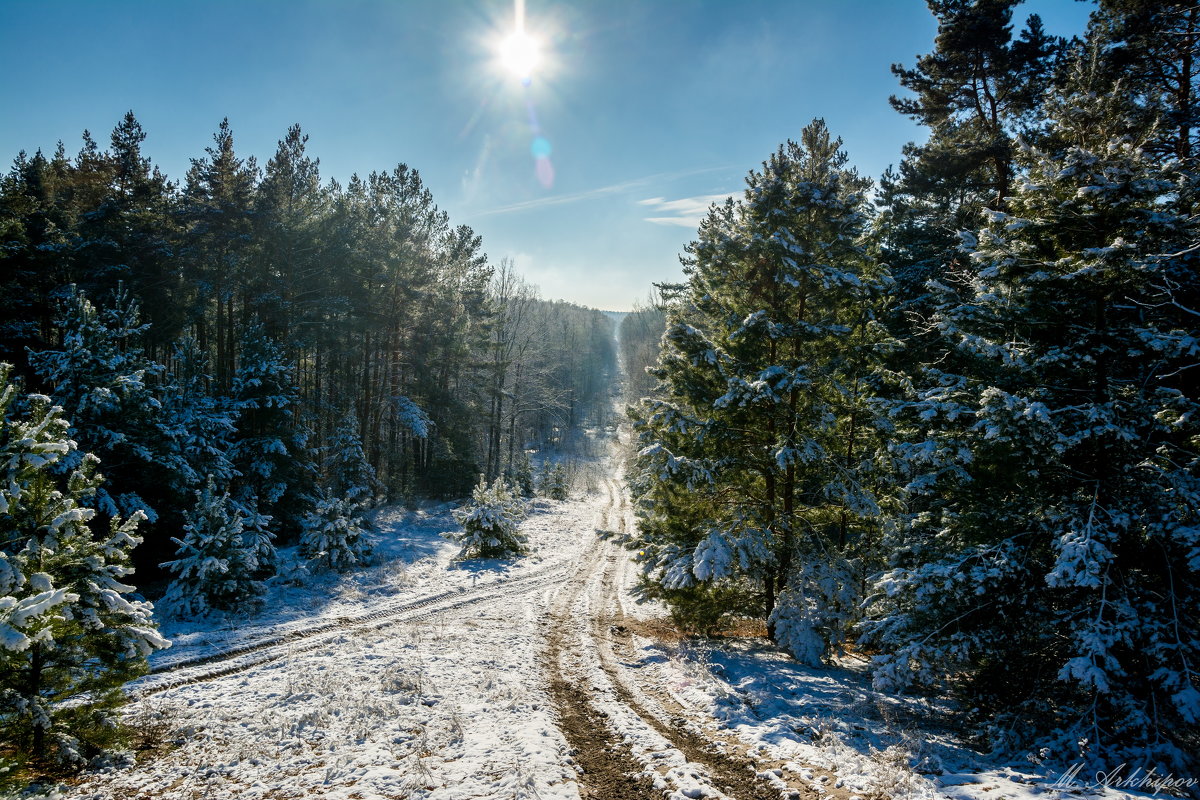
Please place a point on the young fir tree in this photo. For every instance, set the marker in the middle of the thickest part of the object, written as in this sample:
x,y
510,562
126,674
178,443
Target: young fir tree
x,y
1051,566
523,478
755,466
199,424
335,535
219,561
554,481
350,476
271,452
104,381
491,522
68,628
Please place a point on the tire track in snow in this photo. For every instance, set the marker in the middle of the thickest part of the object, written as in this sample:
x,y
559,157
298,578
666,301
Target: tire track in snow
x,y
626,750
717,750
732,775
239,659
711,764
610,770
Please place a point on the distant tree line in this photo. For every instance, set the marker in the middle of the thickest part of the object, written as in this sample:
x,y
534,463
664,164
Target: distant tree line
x,y
239,338
956,424
641,334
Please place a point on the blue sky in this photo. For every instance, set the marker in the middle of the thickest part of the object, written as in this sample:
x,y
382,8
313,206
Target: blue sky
x,y
649,109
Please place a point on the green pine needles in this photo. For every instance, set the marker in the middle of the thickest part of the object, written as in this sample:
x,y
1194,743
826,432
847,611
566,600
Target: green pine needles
x,y
70,634
756,467
975,461
491,522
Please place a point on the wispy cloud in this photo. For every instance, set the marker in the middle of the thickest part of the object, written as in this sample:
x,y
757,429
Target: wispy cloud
x,y
592,194
473,178
685,212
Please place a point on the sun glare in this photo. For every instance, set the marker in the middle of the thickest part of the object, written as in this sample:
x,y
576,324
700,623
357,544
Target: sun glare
x,y
520,54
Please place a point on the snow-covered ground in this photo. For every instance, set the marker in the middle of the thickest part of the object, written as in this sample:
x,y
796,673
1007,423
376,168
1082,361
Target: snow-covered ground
x,y
383,700
425,677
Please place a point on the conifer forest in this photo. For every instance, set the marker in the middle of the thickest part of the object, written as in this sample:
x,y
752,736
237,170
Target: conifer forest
x,y
932,437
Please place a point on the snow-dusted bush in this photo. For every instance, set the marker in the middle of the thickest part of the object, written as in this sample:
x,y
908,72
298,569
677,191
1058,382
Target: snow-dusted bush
x,y
335,536
815,610
68,628
219,558
491,522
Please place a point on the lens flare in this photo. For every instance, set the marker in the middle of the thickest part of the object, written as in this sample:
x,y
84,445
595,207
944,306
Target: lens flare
x,y
540,147
544,171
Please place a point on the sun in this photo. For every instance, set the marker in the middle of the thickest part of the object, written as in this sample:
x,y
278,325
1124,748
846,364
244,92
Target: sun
x,y
520,54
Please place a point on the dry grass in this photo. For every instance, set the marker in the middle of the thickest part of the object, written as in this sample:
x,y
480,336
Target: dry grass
x,y
663,629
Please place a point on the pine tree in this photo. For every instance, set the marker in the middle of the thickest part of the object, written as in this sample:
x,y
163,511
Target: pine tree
x,y
350,476
124,230
975,92
271,452
755,464
68,628
491,522
289,205
105,383
1049,568
35,227
220,558
335,535
554,481
218,212
1155,46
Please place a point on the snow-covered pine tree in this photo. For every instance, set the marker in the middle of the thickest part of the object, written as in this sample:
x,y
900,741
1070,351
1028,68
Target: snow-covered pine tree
x,y
349,474
522,478
199,424
102,379
271,452
754,471
1050,566
335,535
554,481
491,522
68,628
218,563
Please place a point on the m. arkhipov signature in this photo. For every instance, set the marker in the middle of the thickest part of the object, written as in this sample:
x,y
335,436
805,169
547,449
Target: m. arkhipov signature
x,y
1132,779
